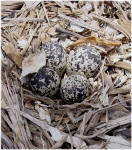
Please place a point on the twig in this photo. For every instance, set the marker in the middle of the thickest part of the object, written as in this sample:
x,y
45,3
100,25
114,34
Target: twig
x,y
45,11
86,118
23,19
114,25
109,126
69,32
60,143
117,5
70,136
78,22
6,142
123,89
55,133
29,40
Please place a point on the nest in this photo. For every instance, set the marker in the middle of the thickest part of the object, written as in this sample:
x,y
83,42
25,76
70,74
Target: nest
x,y
30,121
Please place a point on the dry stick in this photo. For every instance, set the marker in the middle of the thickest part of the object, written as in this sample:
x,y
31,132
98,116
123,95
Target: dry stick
x,y
52,130
78,22
23,19
60,143
114,25
101,49
29,40
45,11
5,140
70,136
14,117
106,108
69,32
86,118
109,126
48,137
123,89
93,122
101,69
117,5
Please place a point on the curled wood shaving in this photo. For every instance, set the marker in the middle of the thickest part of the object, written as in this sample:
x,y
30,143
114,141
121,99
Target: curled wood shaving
x,y
10,50
95,40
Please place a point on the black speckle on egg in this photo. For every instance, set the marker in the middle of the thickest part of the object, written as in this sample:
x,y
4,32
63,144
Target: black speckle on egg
x,y
46,82
84,61
56,56
74,88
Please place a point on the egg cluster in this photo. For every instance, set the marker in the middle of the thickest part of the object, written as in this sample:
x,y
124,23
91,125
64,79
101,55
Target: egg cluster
x,y
79,65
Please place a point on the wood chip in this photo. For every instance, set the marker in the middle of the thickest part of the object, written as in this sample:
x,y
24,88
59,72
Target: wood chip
x,y
29,40
123,65
78,22
114,25
10,51
123,89
109,126
45,11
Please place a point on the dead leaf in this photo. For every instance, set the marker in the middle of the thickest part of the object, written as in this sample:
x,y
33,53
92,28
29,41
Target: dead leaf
x,y
33,63
10,50
95,40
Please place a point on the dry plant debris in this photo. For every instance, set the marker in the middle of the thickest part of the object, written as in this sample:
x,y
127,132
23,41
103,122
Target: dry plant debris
x,y
100,121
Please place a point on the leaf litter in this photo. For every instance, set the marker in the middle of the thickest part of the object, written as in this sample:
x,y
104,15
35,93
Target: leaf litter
x,y
45,123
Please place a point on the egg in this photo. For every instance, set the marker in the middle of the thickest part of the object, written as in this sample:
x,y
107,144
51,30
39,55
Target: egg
x,y
74,88
56,56
45,82
84,61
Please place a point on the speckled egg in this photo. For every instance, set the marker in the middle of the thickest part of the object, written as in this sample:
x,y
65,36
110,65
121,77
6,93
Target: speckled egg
x,y
46,82
74,88
84,61
56,56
